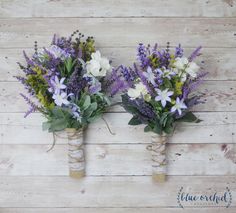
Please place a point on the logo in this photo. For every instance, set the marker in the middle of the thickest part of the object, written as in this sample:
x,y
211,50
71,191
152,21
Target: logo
x,y
186,198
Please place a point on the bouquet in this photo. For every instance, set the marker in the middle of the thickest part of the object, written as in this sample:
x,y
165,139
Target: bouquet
x,y
67,81
159,90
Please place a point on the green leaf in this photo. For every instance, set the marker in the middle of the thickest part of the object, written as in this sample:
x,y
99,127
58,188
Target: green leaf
x,y
69,64
147,129
46,125
58,112
164,118
135,121
58,124
87,102
189,117
88,112
157,129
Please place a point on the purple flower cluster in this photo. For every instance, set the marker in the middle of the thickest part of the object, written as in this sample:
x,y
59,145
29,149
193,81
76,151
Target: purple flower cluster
x,y
59,75
160,85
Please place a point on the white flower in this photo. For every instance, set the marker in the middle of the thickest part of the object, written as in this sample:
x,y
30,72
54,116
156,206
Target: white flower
x,y
182,67
180,63
57,85
136,92
179,104
192,69
150,75
183,77
93,67
96,56
60,99
98,66
105,66
163,96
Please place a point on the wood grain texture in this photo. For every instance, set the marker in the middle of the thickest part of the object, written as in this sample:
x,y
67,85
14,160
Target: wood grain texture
x,y
122,32
105,191
219,62
118,166
114,159
216,127
117,8
219,96
118,210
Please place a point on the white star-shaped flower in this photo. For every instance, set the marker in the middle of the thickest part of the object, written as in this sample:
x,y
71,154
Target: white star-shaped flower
x,y
60,99
57,85
163,96
179,104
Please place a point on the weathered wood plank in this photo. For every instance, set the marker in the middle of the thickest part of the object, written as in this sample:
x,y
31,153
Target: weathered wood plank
x,y
105,191
215,128
219,62
135,159
219,96
118,210
107,8
121,32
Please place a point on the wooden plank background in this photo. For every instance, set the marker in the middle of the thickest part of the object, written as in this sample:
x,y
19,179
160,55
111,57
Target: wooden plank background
x,y
201,156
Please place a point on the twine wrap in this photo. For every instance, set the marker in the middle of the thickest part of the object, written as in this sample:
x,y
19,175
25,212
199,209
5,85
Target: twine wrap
x,y
76,152
159,162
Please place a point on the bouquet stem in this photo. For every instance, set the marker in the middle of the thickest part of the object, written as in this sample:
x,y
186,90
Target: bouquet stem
x,y
76,152
159,157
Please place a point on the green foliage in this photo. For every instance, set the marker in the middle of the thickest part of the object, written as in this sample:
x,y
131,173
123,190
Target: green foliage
x,y
163,122
37,82
135,121
189,117
91,106
58,119
68,67
87,48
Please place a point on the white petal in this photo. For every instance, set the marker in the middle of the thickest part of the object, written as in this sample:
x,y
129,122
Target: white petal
x,y
179,111
93,67
104,62
170,93
163,102
168,99
157,98
173,109
96,56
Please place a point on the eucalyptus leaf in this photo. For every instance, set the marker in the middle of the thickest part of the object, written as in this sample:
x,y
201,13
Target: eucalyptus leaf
x,y
46,125
189,117
87,102
147,129
135,121
58,124
90,110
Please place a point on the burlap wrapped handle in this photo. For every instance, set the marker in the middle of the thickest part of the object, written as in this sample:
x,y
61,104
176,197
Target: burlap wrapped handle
x,y
76,152
158,151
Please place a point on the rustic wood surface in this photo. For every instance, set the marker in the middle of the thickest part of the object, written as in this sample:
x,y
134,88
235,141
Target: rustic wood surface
x,y
202,157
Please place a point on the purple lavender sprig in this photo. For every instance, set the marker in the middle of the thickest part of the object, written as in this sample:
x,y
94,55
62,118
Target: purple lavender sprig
x,y
179,51
33,106
195,53
142,55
